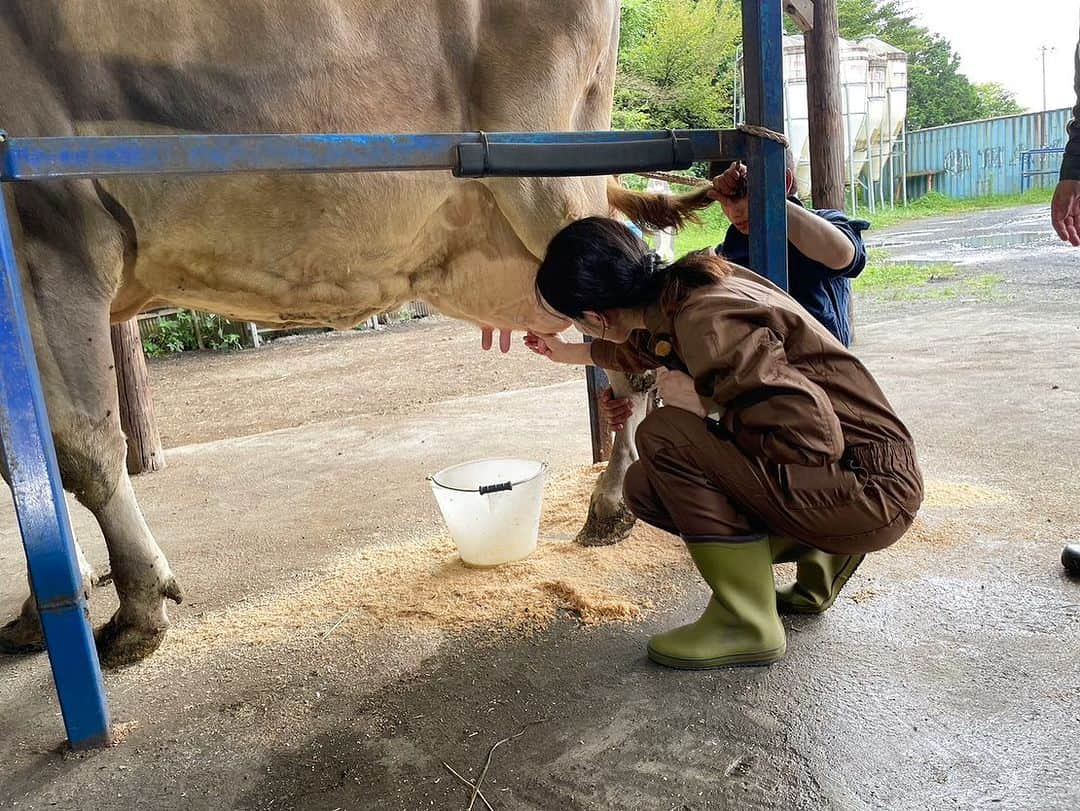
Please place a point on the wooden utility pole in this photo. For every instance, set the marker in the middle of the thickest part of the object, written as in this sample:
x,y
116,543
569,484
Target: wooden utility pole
x,y
144,451
821,45
826,112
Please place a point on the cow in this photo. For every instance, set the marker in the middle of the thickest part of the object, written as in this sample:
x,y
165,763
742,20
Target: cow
x,y
296,249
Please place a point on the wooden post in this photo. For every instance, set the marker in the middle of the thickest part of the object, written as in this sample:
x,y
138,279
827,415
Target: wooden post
x,y
144,451
822,44
826,114
195,319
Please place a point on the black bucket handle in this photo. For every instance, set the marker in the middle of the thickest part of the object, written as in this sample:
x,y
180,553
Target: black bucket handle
x,y
488,488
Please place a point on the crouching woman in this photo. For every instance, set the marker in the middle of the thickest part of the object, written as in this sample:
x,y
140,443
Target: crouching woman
x,y
775,444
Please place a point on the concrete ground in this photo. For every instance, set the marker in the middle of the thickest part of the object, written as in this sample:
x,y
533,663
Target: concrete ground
x,y
946,676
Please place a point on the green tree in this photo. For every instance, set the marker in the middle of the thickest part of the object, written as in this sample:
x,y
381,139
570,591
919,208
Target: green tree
x,y
938,93
887,19
675,63
996,100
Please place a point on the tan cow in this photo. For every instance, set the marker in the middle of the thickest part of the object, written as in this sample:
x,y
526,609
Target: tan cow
x,y
286,249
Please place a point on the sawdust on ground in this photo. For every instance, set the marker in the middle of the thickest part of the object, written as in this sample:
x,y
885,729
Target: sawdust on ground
x,y
960,495
422,587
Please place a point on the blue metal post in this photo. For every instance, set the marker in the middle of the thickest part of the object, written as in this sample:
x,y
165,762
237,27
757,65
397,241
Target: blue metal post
x,y
26,443
763,64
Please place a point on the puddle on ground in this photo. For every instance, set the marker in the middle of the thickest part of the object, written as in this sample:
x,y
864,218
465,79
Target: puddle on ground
x,y
901,246
1005,239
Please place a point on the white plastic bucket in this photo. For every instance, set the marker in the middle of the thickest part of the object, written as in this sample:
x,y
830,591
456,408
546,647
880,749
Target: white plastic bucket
x,y
492,508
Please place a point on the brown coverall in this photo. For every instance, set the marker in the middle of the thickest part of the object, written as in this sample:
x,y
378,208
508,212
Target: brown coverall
x,y
805,445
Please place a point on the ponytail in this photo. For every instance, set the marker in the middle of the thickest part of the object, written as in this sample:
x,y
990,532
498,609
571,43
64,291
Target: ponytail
x,y
693,271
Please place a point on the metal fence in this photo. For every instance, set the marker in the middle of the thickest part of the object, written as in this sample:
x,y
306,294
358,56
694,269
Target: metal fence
x,y
980,158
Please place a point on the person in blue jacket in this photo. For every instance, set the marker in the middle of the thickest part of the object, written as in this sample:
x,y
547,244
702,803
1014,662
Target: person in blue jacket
x,y
825,247
825,252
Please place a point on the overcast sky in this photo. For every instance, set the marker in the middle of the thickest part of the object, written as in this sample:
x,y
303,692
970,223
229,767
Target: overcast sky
x,y
995,46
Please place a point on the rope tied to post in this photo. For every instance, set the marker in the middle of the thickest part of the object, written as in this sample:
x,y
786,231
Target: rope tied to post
x,y
763,132
695,182
675,179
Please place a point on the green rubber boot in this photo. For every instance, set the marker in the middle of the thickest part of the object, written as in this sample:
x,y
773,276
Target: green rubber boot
x,y
740,625
818,579
785,549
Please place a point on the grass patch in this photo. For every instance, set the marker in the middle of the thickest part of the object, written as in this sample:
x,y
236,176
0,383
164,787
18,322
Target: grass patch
x,y
983,286
882,275
914,281
936,204
709,234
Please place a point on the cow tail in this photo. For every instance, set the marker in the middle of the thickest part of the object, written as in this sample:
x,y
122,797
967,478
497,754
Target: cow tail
x,y
657,212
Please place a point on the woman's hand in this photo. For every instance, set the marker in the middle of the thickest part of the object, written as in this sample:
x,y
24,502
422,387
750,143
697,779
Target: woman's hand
x,y
550,346
677,390
615,410
558,350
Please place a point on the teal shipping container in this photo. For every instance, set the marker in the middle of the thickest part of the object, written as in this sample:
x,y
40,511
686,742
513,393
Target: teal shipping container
x,y
995,156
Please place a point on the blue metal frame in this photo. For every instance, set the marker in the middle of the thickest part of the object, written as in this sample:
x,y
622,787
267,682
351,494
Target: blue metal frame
x,y
28,451
25,437
1027,163
763,28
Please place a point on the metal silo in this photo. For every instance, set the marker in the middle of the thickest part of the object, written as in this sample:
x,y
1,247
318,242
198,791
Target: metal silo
x,y
888,106
873,76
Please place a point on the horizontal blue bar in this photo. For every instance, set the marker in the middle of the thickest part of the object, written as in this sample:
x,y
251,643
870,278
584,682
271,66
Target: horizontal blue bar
x,y
100,156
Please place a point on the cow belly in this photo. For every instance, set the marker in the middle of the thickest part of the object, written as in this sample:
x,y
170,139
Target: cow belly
x,y
328,249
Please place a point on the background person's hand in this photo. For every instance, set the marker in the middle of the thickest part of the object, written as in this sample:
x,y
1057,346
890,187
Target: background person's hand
x,y
1065,211
731,183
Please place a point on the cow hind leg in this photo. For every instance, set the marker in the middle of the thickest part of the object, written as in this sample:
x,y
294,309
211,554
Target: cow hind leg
x,y
70,284
609,521
137,566
23,634
143,580
91,450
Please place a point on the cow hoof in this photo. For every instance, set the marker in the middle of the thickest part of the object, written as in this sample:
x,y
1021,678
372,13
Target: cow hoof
x,y
21,636
606,530
119,644
101,577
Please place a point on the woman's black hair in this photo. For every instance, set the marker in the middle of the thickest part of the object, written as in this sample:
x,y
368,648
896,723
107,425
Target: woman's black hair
x,y
599,264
